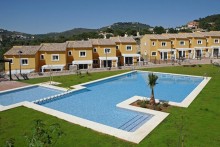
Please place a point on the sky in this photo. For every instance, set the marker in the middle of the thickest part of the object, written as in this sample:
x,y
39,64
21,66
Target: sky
x,y
44,16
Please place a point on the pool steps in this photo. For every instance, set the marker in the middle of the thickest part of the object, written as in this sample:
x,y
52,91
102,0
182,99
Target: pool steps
x,y
134,123
43,100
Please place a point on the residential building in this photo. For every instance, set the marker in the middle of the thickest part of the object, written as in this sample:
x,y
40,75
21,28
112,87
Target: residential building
x,y
193,25
213,43
104,53
126,50
181,46
80,53
52,56
24,59
155,47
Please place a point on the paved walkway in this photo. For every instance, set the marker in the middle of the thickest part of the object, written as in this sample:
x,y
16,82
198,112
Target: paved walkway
x,y
6,85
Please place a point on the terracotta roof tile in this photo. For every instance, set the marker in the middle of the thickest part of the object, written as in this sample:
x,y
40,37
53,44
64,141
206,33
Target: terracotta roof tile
x,y
123,39
79,44
26,50
102,42
53,47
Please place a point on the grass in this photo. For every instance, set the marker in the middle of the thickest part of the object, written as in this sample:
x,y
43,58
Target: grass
x,y
70,80
197,125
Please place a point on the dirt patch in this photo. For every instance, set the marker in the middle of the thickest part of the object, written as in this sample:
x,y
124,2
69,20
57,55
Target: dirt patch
x,y
161,106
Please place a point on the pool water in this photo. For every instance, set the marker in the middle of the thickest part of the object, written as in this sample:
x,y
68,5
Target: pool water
x,y
26,94
98,101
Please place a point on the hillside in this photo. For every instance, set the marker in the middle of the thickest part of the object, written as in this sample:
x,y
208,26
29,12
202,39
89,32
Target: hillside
x,y
68,33
123,26
210,23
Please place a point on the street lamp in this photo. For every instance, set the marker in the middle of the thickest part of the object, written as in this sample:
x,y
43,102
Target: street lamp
x,y
20,52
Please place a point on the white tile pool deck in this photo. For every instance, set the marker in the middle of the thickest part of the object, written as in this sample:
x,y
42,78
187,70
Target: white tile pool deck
x,y
135,136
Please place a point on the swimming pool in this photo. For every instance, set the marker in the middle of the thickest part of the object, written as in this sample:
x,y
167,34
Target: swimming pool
x,y
31,93
97,102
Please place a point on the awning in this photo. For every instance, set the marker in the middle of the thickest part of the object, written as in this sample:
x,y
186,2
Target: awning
x,y
58,66
131,55
108,58
215,46
184,49
202,47
82,62
23,71
166,50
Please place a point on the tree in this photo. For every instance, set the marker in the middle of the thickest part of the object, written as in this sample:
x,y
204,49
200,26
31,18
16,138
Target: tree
x,y
159,30
152,79
172,30
109,30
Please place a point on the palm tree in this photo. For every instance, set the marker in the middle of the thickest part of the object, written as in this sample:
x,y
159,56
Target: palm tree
x,y
152,82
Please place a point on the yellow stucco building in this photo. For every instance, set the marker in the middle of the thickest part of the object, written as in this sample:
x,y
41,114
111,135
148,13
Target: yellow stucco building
x,y
180,46
93,53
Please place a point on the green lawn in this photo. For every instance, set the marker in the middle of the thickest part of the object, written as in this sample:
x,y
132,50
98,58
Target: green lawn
x,y
70,80
198,125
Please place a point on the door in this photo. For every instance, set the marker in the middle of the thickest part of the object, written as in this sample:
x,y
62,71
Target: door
x,y
83,66
215,52
109,63
180,54
165,55
198,53
128,60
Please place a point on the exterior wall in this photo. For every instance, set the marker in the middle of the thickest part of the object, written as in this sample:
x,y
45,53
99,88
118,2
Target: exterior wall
x,y
48,58
124,51
95,56
211,41
177,43
195,44
16,62
76,54
69,58
100,51
37,60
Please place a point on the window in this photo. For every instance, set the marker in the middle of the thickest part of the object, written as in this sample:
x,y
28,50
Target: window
x,y
172,42
107,50
129,48
42,57
94,50
24,61
182,42
95,61
153,53
82,54
117,47
153,43
163,44
190,41
69,53
55,57
199,41
216,41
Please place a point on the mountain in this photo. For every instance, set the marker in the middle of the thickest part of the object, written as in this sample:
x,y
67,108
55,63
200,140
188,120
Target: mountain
x,y
210,23
68,33
123,26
